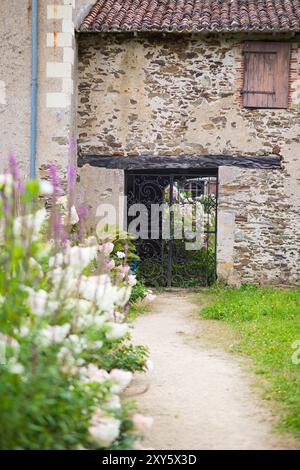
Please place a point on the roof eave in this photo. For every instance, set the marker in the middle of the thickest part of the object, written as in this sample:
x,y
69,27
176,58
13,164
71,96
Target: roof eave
x,y
82,30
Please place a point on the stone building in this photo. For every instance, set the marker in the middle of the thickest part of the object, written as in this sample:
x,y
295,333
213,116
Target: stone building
x,y
206,86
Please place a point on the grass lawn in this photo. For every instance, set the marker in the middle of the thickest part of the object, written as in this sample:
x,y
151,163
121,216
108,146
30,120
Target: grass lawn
x,y
268,324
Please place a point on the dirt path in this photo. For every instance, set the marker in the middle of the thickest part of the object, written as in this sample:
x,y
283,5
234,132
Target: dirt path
x,y
200,396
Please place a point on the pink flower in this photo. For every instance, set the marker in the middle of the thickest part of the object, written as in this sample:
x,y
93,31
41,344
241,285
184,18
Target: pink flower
x,y
120,276
150,297
132,280
93,374
105,431
142,423
149,365
120,380
119,316
106,248
123,269
110,264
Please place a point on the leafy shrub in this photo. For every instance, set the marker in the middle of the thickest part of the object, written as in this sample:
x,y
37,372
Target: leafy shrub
x,y
139,292
64,343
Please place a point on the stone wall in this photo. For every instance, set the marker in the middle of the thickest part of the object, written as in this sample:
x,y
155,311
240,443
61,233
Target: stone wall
x,y
179,95
15,60
259,228
57,77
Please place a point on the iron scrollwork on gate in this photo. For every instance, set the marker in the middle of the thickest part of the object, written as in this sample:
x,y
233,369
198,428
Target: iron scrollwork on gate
x,y
173,217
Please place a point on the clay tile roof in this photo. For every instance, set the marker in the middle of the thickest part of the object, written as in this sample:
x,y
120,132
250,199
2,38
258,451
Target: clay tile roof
x,y
193,15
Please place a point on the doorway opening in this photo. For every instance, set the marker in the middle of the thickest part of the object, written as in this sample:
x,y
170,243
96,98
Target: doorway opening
x,y
173,216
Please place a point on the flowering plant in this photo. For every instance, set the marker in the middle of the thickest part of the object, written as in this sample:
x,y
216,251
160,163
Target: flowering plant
x,y
65,355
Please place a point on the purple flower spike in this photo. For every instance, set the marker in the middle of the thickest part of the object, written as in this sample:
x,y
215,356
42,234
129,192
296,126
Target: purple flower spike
x,y
57,225
71,176
13,165
54,178
59,233
82,212
21,186
7,209
72,146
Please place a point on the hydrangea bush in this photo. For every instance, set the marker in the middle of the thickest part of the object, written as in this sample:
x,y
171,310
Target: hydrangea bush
x,y
65,351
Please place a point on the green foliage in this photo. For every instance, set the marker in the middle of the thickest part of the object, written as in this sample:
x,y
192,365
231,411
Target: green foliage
x,y
138,292
125,356
189,268
124,242
45,411
268,322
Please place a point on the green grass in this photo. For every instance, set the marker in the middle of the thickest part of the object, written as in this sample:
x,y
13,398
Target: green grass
x,y
268,323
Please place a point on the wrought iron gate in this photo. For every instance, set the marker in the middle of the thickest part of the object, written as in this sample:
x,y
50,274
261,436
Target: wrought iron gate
x,y
173,216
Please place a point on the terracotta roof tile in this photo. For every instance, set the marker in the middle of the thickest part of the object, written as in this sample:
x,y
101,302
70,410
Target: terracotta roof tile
x,y
193,15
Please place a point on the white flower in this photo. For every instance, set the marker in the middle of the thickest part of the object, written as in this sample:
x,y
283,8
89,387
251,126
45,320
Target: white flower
x,y
86,321
92,373
116,330
31,223
57,260
120,380
111,264
6,183
99,290
37,302
76,258
99,320
46,188
74,218
81,306
142,423
105,431
123,298
24,331
106,248
66,361
90,241
8,340
149,365
113,403
65,283
81,257
40,303
132,280
6,179
121,254
97,345
54,334
15,367
63,201
119,317
77,344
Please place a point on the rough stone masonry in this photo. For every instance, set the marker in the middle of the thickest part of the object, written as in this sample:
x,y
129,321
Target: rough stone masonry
x,y
180,95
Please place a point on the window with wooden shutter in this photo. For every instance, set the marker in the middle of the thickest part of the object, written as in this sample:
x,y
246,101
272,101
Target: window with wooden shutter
x,y
266,74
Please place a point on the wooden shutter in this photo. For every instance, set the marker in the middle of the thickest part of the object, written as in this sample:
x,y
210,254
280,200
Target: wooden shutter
x,y
266,74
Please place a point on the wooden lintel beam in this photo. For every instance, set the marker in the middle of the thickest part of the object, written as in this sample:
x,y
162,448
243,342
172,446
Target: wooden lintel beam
x,y
143,162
